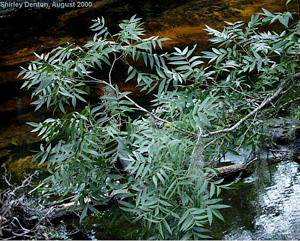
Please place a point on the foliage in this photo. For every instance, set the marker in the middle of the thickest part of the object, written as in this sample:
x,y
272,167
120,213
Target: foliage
x,y
158,166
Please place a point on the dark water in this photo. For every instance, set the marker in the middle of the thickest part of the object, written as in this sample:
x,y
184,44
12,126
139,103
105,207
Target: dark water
x,y
263,206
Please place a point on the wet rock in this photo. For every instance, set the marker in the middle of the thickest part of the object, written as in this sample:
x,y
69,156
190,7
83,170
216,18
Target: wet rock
x,y
281,130
20,166
17,135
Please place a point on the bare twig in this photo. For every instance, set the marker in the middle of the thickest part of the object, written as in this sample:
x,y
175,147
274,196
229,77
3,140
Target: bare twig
x,y
36,188
111,68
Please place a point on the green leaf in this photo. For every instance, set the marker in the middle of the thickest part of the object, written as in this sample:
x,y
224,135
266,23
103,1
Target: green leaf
x,y
131,76
167,226
212,190
209,216
183,217
84,212
288,2
154,180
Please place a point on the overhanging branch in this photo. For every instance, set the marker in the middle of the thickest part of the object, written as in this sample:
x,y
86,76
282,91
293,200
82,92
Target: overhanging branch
x,y
223,131
258,108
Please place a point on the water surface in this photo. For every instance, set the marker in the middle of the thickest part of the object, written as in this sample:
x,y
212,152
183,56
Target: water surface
x,y
265,205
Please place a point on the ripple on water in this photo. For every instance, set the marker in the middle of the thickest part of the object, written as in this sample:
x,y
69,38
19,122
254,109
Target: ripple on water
x,y
278,209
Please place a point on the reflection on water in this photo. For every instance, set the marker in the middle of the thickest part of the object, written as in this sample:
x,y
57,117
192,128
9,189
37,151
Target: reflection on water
x,y
276,204
264,206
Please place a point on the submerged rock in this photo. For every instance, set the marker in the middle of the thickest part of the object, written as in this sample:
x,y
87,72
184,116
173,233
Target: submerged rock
x,y
22,165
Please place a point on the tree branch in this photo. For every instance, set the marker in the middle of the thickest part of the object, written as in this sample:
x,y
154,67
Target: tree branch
x,y
195,135
143,109
111,68
258,108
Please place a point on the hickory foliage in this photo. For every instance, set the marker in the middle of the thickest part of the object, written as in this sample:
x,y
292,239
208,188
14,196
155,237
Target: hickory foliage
x,y
157,162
